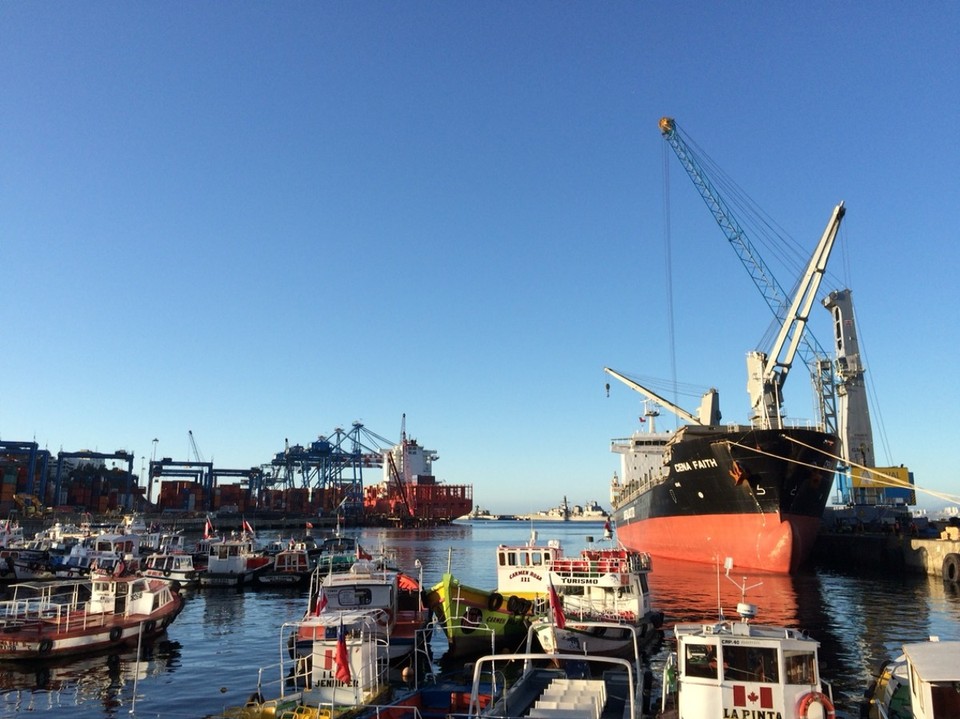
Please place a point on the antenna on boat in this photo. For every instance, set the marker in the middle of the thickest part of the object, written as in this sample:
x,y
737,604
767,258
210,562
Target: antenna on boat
x,y
745,610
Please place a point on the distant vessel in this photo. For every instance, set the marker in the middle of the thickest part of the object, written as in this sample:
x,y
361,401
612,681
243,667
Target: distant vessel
x,y
591,511
410,494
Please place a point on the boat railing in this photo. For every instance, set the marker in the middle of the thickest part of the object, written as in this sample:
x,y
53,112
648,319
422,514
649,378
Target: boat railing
x,y
529,659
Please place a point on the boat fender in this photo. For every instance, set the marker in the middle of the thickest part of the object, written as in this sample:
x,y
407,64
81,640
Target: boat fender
x,y
115,634
951,567
45,646
166,572
494,601
513,605
803,706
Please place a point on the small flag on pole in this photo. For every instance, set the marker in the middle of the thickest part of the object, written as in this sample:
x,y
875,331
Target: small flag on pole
x,y
321,602
247,528
208,529
342,657
556,610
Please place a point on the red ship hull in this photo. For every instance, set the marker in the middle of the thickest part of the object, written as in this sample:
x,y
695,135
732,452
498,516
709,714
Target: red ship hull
x,y
764,542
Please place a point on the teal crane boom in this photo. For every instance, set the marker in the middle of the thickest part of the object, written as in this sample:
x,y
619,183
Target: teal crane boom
x,y
810,351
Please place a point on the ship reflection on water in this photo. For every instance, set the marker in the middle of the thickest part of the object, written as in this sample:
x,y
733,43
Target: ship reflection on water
x,y
859,621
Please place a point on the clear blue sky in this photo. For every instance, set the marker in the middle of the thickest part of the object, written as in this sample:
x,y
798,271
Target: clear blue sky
x,y
260,221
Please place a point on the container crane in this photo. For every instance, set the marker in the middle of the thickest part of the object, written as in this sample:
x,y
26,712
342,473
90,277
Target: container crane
x,y
812,354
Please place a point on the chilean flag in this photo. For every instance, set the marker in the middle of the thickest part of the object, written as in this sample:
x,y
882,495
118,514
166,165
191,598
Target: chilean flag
x,y
247,528
342,657
208,529
321,603
555,608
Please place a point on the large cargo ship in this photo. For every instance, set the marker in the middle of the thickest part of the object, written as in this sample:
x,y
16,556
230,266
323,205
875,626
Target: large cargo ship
x,y
753,492
410,495
704,493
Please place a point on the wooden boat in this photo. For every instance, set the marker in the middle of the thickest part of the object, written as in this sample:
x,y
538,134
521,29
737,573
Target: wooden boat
x,y
922,683
738,668
69,617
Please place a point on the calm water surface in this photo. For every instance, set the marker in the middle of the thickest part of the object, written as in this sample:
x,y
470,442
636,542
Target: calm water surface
x,y
210,656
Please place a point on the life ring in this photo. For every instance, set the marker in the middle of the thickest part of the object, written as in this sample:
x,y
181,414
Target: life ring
x,y
45,646
951,567
149,626
494,601
166,572
115,634
803,706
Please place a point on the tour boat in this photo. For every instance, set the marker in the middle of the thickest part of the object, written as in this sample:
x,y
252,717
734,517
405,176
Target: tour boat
x,y
922,683
601,584
741,669
69,617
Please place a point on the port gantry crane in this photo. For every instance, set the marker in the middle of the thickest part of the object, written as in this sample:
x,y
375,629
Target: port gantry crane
x,y
802,343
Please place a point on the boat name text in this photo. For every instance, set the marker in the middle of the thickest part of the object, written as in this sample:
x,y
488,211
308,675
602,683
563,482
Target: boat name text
x,y
525,575
739,713
708,463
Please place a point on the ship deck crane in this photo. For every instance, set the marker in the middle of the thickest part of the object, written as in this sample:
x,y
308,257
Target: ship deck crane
x,y
816,359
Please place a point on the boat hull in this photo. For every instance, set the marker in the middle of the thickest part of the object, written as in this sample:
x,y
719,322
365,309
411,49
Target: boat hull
x,y
756,496
475,620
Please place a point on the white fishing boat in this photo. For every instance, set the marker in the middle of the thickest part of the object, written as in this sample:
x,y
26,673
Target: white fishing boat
x,y
741,669
173,566
233,562
366,599
291,566
922,683
70,617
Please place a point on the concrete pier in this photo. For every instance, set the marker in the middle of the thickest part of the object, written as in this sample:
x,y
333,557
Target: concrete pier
x,y
893,552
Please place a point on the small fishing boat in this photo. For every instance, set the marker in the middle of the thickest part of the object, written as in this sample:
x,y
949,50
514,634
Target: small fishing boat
x,y
233,562
922,683
740,669
174,566
335,678
367,599
291,567
70,617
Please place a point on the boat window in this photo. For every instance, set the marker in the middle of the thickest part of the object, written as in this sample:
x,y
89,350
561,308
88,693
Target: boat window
x,y
538,558
801,667
354,597
700,660
946,699
755,664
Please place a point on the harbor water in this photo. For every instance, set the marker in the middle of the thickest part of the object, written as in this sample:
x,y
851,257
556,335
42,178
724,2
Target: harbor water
x,y
210,656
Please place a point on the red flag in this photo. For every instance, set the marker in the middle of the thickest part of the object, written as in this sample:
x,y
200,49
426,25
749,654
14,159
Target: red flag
x,y
208,529
321,602
343,657
555,608
309,525
361,554
247,528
